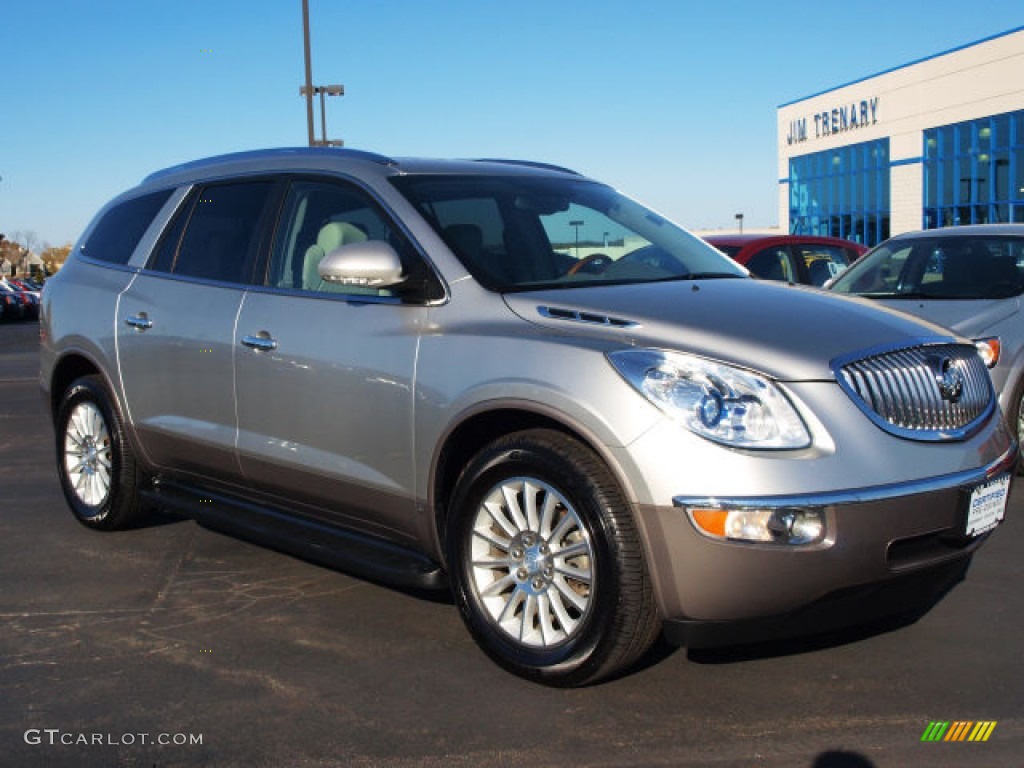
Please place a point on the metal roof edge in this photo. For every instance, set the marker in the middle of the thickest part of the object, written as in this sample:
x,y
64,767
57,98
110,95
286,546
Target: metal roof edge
x,y
904,66
255,154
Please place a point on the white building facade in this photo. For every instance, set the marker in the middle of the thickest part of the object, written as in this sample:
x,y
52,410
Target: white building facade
x,y
938,142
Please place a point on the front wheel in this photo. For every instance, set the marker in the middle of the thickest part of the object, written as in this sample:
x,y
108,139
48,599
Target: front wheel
x,y
546,562
98,472
1015,418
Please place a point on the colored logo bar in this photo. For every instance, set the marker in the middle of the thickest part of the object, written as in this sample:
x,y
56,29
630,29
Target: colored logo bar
x,y
958,730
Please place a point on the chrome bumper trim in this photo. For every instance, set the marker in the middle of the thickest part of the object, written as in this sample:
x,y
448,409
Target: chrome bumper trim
x,y
1005,463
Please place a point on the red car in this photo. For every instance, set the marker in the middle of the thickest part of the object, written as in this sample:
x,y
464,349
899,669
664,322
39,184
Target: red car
x,y
792,258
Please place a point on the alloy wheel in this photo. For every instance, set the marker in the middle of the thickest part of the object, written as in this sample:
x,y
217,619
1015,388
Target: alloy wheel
x,y
532,562
88,454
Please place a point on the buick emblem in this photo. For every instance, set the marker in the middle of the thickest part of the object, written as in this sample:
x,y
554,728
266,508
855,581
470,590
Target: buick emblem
x,y
950,379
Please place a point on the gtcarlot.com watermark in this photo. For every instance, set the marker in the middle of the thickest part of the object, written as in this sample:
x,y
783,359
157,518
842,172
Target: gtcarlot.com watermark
x,y
56,736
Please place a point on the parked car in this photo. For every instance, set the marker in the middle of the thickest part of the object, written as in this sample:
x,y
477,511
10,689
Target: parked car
x,y
11,307
25,285
426,372
29,300
31,305
803,259
969,279
15,305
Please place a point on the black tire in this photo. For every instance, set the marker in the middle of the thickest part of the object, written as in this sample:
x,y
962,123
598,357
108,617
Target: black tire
x,y
581,563
98,471
1015,420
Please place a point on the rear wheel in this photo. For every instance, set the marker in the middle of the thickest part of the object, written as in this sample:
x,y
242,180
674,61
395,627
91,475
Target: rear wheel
x,y
98,472
546,562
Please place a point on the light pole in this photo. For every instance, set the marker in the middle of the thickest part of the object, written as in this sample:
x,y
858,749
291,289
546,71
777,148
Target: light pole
x,y
325,90
307,91
577,224
739,218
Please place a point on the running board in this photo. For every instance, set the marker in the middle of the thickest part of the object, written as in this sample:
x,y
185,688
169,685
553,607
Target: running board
x,y
336,548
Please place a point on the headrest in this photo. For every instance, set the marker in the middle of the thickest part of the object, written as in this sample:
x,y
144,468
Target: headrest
x,y
338,233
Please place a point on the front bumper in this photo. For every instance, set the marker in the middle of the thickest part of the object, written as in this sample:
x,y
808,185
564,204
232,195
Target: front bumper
x,y
907,596
889,549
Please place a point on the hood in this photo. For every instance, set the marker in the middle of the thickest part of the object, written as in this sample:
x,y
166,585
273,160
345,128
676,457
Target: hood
x,y
789,332
967,317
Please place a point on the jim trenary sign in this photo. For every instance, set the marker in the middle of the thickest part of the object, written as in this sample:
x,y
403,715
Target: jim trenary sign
x,y
848,117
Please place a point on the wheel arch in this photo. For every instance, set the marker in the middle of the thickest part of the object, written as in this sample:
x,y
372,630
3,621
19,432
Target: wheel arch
x,y
1012,384
70,367
468,435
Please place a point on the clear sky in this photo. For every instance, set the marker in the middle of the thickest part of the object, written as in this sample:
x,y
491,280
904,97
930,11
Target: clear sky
x,y
672,101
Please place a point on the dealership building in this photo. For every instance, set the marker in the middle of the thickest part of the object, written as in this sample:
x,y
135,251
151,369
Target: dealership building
x,y
935,143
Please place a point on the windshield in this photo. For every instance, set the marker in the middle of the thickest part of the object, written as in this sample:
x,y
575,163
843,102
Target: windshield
x,y
947,266
517,233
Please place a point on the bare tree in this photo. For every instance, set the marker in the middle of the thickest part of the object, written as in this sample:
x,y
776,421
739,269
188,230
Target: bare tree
x,y
27,239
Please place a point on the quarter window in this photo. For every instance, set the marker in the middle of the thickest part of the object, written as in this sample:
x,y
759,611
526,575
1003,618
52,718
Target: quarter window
x,y
116,235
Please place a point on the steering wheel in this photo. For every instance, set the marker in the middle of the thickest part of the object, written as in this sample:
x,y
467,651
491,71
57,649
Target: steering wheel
x,y
594,263
654,257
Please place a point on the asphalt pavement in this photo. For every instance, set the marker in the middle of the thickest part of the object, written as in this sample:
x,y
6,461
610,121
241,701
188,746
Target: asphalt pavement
x,y
173,645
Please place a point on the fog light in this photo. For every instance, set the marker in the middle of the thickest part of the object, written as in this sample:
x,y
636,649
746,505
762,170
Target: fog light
x,y
784,525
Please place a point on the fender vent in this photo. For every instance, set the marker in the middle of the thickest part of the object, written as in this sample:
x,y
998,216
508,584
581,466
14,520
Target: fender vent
x,y
577,316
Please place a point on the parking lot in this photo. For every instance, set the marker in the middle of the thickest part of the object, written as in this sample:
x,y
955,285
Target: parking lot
x,y
173,645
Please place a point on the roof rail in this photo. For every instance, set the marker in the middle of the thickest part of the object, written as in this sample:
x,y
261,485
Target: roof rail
x,y
528,164
254,154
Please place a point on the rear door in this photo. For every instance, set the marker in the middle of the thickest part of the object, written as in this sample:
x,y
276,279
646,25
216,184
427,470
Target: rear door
x,y
176,329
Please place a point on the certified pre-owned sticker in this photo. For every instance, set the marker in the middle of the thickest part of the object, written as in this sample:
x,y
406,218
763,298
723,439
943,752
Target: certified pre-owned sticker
x,y
987,505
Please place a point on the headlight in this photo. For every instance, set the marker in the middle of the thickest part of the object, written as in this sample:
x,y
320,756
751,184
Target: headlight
x,y
729,405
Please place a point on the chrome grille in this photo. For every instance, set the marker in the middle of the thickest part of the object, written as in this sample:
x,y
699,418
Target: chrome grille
x,y
929,392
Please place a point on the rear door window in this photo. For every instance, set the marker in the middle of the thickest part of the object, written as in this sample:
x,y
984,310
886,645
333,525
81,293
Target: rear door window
x,y
217,235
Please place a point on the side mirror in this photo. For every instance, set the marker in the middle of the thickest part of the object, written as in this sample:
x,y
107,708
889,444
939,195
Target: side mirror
x,y
370,264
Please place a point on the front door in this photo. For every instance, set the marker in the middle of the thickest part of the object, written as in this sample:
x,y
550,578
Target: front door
x,y
325,373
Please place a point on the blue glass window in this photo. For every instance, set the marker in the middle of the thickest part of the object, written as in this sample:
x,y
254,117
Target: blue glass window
x,y
974,172
841,192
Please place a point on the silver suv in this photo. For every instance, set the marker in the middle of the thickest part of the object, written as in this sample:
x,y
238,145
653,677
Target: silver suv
x,y
513,380
967,278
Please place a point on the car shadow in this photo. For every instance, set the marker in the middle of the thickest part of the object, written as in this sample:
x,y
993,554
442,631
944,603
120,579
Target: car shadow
x,y
800,636
810,640
798,645
841,759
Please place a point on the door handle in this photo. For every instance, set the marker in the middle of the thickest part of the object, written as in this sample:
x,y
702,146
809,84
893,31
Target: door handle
x,y
261,343
139,322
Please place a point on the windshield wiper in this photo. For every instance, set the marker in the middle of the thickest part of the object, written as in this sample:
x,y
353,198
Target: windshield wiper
x,y
707,276
911,295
